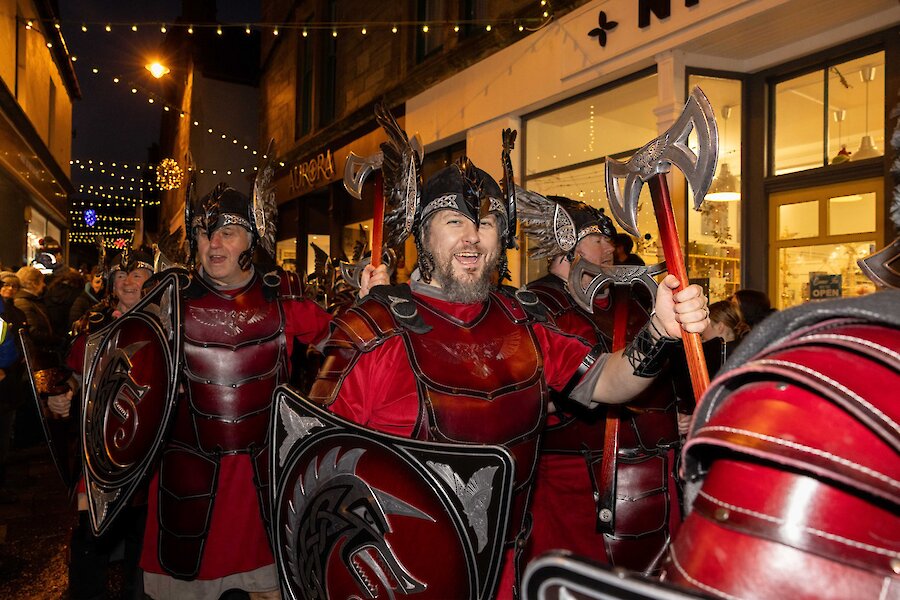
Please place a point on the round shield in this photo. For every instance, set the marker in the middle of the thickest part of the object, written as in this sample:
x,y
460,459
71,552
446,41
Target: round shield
x,y
128,399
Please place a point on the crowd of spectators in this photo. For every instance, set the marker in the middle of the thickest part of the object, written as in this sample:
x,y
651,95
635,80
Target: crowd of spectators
x,y
46,299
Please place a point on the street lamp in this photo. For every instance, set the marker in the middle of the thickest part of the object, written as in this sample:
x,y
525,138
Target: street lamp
x,y
157,69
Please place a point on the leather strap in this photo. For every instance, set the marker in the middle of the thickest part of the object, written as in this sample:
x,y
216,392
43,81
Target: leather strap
x,y
586,363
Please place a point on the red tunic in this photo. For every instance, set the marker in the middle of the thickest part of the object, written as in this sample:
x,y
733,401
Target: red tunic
x,y
237,540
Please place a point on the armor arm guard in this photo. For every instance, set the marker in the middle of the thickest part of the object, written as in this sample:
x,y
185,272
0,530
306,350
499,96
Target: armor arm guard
x,y
338,362
647,353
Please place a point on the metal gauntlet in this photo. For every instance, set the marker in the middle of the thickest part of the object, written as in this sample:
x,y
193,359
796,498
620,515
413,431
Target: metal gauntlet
x,y
648,355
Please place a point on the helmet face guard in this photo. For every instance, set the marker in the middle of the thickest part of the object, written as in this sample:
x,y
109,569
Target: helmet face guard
x,y
223,206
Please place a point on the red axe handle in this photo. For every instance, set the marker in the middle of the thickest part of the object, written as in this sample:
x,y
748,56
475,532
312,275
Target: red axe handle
x,y
377,219
668,237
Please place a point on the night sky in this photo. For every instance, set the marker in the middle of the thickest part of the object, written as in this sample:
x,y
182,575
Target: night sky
x,y
109,122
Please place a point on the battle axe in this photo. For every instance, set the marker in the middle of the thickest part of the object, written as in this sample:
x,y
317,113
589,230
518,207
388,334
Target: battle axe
x,y
650,165
356,171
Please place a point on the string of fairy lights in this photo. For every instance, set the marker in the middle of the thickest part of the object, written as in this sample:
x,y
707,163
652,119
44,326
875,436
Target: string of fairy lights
x,y
119,196
154,98
542,16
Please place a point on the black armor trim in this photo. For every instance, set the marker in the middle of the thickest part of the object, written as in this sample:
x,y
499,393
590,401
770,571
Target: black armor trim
x,y
399,300
648,355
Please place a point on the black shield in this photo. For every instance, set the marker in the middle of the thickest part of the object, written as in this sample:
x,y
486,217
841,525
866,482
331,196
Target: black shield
x,y
362,514
561,576
130,386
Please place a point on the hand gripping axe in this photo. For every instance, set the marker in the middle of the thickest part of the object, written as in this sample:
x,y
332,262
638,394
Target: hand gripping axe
x,y
650,165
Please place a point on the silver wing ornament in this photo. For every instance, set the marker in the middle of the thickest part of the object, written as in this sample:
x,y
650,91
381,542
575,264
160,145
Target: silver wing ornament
x,y
265,210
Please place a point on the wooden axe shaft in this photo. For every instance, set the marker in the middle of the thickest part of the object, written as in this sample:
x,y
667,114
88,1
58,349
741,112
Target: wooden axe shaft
x,y
377,219
668,236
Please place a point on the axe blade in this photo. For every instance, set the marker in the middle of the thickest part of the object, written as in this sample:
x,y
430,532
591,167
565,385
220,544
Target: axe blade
x,y
625,180
357,170
603,277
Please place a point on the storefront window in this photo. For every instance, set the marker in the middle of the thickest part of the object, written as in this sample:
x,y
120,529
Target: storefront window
x,y
823,271
820,233
799,220
830,116
609,123
714,232
851,214
38,227
286,254
566,147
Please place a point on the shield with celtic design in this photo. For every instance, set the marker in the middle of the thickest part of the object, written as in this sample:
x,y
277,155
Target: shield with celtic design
x,y
361,514
130,387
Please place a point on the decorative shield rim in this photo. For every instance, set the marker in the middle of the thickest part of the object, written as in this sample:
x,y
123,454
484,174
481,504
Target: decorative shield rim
x,y
160,310
558,575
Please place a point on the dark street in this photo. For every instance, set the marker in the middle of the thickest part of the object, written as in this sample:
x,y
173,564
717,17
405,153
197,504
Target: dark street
x,y
34,531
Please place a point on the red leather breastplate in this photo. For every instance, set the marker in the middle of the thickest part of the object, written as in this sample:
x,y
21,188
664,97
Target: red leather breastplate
x,y
482,382
235,356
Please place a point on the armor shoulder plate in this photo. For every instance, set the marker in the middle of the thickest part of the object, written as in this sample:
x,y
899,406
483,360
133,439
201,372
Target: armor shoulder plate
x,y
290,286
387,311
553,296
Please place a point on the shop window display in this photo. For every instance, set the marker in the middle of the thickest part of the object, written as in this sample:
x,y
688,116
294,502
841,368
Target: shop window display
x,y
830,116
819,234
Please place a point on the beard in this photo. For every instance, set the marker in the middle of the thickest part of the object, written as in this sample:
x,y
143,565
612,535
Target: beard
x,y
470,287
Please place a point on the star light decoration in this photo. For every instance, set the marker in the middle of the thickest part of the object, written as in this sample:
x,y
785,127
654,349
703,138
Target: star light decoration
x,y
169,174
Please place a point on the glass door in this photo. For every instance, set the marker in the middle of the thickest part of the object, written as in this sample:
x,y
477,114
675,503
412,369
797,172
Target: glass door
x,y
816,236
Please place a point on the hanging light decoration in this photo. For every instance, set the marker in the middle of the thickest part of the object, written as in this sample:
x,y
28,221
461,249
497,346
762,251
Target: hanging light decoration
x,y
169,174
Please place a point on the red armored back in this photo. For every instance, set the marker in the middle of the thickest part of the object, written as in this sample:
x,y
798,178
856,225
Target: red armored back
x,y
794,459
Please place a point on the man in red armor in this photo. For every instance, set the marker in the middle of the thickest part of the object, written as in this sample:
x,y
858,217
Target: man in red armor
x,y
570,485
452,357
206,532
